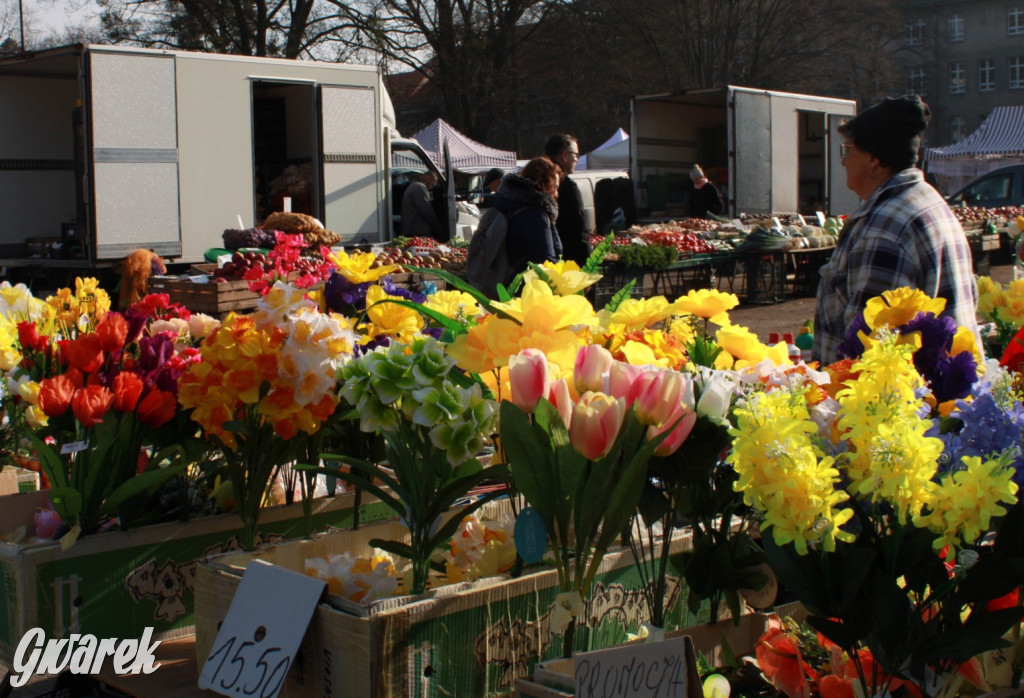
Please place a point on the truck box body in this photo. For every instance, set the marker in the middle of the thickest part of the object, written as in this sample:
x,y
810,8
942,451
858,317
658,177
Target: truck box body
x,y
104,150
766,151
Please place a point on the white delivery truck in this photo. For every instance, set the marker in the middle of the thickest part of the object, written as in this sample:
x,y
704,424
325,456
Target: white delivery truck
x,y
769,152
104,150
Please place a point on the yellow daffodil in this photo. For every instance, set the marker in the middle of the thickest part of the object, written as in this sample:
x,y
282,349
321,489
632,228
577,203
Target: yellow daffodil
x,y
564,311
566,277
358,266
457,305
900,306
741,343
635,314
710,304
654,347
391,319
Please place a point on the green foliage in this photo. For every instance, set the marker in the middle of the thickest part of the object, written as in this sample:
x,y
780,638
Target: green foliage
x,y
622,294
596,256
647,256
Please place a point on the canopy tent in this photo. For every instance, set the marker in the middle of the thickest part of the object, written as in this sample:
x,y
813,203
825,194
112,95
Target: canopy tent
x,y
613,154
467,155
997,142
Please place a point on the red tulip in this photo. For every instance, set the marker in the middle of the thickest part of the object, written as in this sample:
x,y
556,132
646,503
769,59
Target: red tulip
x,y
157,408
91,403
55,395
111,332
29,337
127,389
84,353
1013,355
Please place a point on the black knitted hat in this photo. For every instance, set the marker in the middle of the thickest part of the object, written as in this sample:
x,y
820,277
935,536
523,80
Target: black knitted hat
x,y
890,130
493,174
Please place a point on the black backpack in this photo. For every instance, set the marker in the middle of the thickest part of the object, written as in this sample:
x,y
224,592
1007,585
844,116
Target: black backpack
x,y
487,259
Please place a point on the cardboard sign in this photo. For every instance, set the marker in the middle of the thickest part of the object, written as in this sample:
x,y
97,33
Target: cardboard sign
x,y
666,669
261,633
821,218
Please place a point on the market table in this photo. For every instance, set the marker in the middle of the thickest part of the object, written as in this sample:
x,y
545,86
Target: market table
x,y
805,264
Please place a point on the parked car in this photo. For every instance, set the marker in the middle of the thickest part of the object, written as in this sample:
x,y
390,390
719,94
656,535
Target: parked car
x,y
1002,187
587,181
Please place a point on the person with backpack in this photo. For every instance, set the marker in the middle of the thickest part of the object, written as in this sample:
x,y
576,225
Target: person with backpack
x,y
519,229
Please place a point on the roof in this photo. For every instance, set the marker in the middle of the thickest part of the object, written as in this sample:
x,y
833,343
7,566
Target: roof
x,y
467,155
1002,133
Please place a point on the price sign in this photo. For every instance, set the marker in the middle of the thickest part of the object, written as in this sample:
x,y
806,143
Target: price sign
x,y
531,535
801,219
821,218
640,670
258,640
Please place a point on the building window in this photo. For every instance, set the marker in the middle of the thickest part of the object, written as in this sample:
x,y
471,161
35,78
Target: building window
x,y
957,79
957,128
1015,20
914,33
986,75
956,28
916,80
1017,73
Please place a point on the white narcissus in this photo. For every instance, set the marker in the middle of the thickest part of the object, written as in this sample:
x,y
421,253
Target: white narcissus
x,y
568,605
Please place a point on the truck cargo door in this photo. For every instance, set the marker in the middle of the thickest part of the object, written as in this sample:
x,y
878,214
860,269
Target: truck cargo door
x,y
133,110
750,176
354,204
841,200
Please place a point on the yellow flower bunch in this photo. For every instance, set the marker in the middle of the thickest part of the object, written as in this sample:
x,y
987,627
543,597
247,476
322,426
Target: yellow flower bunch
x,y
457,305
17,304
358,266
785,474
963,504
396,321
889,458
1001,303
82,308
706,303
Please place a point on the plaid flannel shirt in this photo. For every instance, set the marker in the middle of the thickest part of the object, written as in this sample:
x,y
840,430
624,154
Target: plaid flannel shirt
x,y
903,235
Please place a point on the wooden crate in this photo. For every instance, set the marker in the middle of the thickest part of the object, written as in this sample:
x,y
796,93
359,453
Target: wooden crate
x,y
211,298
474,642
116,584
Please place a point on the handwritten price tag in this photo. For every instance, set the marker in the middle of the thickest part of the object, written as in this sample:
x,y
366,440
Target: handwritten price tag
x,y
258,640
640,670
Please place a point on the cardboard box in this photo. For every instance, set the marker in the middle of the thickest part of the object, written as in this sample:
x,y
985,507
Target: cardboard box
x,y
117,584
474,642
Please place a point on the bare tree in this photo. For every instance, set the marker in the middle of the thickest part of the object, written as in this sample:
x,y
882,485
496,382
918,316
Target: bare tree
x,y
466,49
281,28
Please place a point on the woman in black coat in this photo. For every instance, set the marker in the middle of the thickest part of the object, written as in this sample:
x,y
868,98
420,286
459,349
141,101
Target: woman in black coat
x,y
529,201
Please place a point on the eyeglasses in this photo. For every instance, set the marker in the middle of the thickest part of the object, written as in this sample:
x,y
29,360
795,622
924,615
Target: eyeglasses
x,y
574,153
845,148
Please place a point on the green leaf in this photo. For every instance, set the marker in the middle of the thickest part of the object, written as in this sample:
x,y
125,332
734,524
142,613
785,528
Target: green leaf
x,y
394,547
529,455
138,484
622,294
596,257
451,326
67,503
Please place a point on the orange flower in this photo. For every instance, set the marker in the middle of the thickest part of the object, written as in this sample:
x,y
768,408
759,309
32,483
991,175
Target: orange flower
x,y
780,660
839,372
111,332
84,353
55,395
127,388
157,408
90,404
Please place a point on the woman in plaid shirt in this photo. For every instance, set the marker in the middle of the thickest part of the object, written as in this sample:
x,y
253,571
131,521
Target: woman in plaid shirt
x,y
903,234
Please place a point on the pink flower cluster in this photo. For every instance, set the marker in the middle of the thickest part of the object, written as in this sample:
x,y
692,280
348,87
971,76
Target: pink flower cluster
x,y
662,399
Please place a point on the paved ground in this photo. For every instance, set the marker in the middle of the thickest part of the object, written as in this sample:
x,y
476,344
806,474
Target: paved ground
x,y
790,315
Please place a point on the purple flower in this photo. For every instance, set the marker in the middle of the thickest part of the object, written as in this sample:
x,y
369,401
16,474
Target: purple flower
x,y
343,296
136,324
389,288
987,426
851,346
952,376
155,351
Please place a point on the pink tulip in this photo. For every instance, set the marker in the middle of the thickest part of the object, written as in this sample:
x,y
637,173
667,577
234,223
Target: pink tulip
x,y
680,432
621,377
529,377
596,421
562,401
657,396
592,363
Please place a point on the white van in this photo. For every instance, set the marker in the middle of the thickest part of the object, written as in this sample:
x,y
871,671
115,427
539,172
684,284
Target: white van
x,y
587,181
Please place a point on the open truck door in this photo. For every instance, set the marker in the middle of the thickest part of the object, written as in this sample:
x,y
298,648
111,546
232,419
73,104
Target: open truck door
x,y
452,217
841,200
134,174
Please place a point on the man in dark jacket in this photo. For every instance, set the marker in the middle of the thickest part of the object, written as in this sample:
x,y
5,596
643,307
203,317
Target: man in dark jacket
x,y
564,151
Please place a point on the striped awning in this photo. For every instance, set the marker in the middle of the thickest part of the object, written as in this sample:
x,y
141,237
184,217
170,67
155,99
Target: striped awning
x,y
1001,134
467,155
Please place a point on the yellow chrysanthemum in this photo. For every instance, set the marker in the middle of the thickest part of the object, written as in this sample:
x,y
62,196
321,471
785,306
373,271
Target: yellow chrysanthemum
x,y
566,277
900,306
358,266
93,301
710,304
648,347
457,305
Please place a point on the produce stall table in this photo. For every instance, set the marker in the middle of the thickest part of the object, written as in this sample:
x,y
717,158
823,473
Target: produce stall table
x,y
805,264
765,276
697,271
